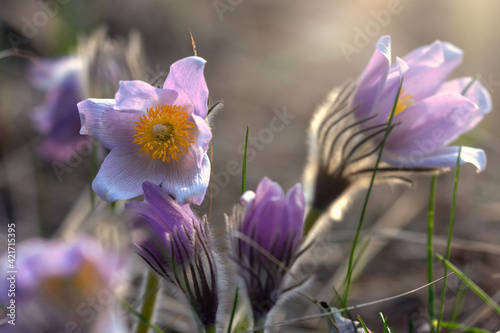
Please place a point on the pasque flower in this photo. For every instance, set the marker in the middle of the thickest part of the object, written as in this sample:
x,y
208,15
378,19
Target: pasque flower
x,y
179,247
95,67
155,134
430,112
62,286
346,132
265,235
57,119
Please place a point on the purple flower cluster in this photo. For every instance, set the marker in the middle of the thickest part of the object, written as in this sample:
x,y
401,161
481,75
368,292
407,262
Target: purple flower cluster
x,y
158,139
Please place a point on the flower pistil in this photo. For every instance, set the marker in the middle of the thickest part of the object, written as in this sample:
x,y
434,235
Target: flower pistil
x,y
165,132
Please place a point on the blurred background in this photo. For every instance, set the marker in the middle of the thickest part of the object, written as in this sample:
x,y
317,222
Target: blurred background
x,y
268,59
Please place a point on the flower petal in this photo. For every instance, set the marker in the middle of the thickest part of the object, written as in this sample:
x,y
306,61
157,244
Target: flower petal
x,y
295,209
47,73
186,75
204,136
445,157
123,172
139,95
174,214
371,82
185,181
389,93
106,125
477,93
429,66
428,125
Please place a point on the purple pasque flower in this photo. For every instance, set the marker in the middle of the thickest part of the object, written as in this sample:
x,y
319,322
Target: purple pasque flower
x,y
59,286
179,247
265,237
94,69
156,135
430,112
57,119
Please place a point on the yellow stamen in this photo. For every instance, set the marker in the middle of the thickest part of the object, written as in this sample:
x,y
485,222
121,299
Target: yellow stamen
x,y
165,132
84,283
404,102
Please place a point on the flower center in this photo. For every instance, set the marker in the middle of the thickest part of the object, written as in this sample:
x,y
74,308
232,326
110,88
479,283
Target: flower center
x,y
404,101
164,132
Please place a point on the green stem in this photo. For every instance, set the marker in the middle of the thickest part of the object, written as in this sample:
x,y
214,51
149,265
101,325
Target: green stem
x,y
258,324
210,329
311,218
450,233
233,312
148,307
430,249
365,204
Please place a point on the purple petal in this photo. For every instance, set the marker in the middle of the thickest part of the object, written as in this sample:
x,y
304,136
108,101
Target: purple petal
x,y
371,82
269,221
295,206
445,157
106,125
204,136
47,73
386,102
139,95
171,211
428,125
477,93
267,190
295,209
185,181
123,172
186,75
429,66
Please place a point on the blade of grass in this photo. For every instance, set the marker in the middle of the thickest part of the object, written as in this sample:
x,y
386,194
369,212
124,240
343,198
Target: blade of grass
x,y
460,298
430,249
148,306
233,311
411,325
384,321
136,313
462,328
244,166
450,233
365,204
363,324
474,287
